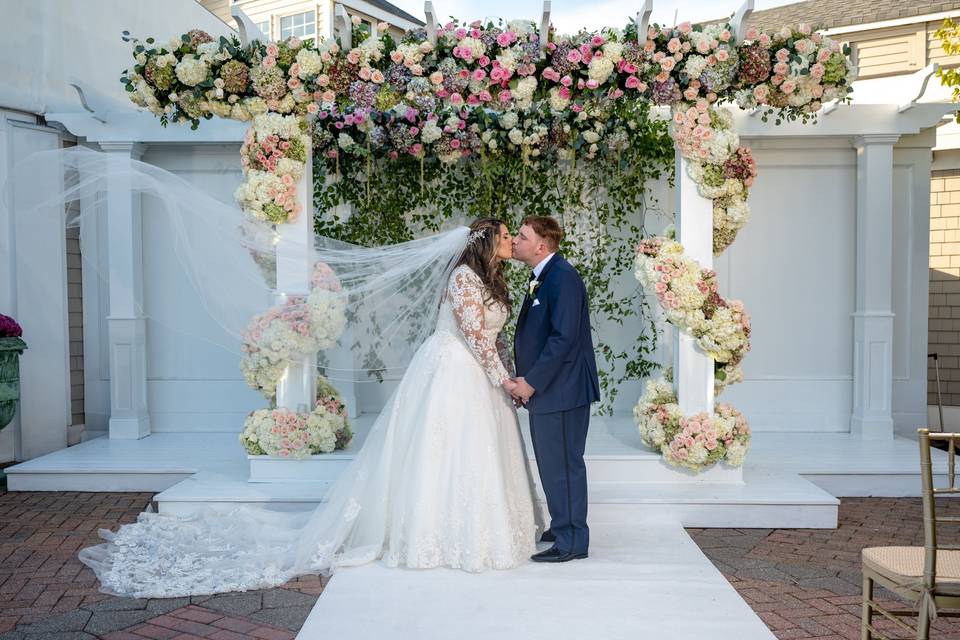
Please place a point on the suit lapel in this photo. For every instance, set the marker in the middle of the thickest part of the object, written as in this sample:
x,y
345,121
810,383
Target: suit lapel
x,y
527,300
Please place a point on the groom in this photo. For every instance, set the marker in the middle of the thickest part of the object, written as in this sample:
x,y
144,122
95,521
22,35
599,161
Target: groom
x,y
556,381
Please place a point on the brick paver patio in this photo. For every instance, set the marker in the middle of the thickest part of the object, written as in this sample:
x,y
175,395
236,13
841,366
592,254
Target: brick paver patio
x,y
803,583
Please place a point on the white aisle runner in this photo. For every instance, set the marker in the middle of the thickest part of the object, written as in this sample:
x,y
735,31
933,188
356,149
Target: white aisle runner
x,y
639,583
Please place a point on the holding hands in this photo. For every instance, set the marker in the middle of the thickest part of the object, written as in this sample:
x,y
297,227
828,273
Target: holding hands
x,y
519,390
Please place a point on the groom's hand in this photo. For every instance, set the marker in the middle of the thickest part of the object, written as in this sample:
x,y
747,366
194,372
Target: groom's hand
x,y
523,390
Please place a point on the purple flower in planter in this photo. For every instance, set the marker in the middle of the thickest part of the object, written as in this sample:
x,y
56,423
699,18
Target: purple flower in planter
x,y
9,327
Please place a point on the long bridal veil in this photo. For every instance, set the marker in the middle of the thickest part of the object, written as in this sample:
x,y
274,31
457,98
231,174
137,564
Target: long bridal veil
x,y
390,296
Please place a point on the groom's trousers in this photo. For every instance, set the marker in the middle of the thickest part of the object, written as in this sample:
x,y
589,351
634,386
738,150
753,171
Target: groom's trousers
x,y
558,442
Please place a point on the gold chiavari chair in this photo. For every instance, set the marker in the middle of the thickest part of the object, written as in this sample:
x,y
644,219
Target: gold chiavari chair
x,y
928,576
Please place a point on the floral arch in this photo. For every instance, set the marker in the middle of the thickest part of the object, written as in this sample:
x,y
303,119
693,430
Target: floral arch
x,y
488,95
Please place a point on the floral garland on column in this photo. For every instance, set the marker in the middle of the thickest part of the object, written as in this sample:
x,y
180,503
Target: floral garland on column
x,y
792,68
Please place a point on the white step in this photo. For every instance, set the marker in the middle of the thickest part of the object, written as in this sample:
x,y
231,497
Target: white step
x,y
786,501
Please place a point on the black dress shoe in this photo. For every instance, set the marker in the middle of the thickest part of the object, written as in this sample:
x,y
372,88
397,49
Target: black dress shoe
x,y
547,536
550,555
553,555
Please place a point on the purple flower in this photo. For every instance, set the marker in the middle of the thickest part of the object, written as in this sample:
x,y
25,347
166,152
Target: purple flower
x,y
666,92
9,327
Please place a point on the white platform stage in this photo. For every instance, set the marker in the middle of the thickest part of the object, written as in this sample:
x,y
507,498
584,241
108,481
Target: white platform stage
x,y
790,479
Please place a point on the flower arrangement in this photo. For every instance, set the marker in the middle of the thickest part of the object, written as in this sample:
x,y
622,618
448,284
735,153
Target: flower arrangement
x,y
486,87
288,434
302,325
9,328
273,157
688,295
694,442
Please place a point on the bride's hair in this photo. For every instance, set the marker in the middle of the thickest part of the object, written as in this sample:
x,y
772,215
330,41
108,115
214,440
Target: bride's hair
x,y
481,256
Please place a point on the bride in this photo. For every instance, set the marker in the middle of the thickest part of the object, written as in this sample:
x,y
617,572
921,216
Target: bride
x,y
441,481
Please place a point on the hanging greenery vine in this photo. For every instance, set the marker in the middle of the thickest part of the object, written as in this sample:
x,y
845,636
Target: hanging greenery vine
x,y
601,204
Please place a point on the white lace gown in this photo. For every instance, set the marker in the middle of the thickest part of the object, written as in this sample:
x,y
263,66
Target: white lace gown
x,y
441,481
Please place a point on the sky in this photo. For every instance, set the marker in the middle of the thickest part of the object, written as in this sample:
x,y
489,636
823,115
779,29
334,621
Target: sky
x,y
569,16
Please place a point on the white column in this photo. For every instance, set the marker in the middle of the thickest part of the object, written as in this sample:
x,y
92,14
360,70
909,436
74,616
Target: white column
x,y
692,368
129,418
296,389
872,415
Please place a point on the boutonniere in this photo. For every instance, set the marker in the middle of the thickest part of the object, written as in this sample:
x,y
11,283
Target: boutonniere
x,y
532,288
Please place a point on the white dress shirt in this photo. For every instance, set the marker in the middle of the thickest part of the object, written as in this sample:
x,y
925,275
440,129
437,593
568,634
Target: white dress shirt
x,y
537,270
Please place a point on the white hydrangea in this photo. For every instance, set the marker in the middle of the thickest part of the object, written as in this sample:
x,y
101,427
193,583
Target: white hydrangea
x,y
508,59
525,88
191,70
309,62
430,132
694,66
515,136
600,69
509,119
476,47
613,51
521,27
558,102
345,140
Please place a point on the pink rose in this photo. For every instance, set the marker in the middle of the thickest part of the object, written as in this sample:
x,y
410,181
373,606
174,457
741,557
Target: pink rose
x,y
632,82
596,40
329,96
479,74
684,27
725,35
673,45
396,56
485,96
566,81
752,33
564,93
504,96
269,62
788,86
703,47
782,55
312,108
667,64
592,84
723,55
456,99
436,78
377,76
483,61
353,57
574,56
760,92
781,68
455,144
504,39
473,100
364,73
273,50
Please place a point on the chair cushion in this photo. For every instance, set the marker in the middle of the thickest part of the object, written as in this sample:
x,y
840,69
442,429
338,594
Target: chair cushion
x,y
904,565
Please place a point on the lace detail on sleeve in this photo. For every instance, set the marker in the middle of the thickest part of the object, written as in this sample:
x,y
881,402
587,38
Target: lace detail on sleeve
x,y
505,356
466,298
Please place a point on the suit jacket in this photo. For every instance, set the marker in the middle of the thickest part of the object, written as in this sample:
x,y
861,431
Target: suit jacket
x,y
553,344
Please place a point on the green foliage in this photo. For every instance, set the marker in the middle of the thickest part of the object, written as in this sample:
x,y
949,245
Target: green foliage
x,y
601,203
949,36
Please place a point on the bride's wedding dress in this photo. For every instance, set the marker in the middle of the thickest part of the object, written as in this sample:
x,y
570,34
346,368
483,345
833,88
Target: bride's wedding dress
x,y
441,481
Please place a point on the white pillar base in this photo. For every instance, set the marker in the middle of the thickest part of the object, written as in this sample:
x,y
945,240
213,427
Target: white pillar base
x,y
873,375
129,419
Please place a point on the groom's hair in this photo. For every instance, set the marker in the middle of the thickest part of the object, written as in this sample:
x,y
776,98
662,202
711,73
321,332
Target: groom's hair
x,y
547,228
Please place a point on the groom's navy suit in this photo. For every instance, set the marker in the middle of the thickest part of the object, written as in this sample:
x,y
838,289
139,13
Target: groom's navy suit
x,y
553,350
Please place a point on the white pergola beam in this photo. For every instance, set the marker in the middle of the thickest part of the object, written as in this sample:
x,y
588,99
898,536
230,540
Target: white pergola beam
x,y
739,22
643,21
249,32
919,81
431,17
342,24
545,26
